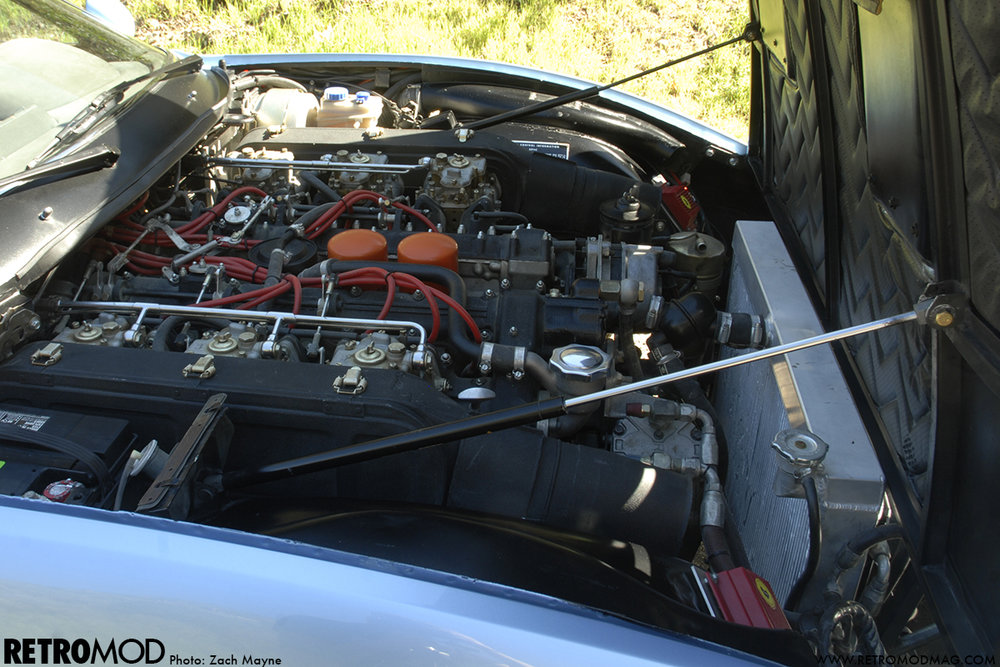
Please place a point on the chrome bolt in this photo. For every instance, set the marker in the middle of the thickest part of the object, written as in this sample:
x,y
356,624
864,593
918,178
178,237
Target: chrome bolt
x,y
505,284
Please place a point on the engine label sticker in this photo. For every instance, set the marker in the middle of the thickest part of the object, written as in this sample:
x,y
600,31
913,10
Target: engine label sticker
x,y
553,148
25,421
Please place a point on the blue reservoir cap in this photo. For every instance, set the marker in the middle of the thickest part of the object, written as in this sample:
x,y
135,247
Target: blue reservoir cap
x,y
362,96
335,94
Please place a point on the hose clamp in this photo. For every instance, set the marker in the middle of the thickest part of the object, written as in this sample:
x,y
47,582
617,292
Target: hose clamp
x,y
724,326
758,332
520,354
653,314
486,358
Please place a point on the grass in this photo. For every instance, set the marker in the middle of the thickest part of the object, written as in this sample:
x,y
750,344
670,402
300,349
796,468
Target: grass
x,y
599,40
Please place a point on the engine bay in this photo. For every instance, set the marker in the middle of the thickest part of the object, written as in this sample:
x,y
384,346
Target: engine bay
x,y
332,267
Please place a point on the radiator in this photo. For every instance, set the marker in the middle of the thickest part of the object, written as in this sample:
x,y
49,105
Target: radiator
x,y
804,389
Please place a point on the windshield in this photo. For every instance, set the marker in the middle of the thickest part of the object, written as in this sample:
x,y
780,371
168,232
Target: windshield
x,y
53,61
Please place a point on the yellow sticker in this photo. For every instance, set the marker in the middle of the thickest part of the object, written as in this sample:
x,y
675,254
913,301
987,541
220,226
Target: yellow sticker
x,y
765,593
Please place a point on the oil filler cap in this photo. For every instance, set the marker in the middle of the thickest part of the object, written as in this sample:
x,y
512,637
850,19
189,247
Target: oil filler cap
x,y
580,360
580,369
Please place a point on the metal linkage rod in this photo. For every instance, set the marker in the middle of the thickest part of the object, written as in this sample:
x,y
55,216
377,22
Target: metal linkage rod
x,y
732,362
245,315
312,165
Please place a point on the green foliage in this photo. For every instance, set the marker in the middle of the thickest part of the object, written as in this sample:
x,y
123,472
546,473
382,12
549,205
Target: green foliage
x,y
598,40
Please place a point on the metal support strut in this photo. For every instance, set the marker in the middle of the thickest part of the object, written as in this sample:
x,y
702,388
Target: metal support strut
x,y
529,413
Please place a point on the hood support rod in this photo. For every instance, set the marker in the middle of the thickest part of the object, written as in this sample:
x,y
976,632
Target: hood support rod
x,y
528,413
749,34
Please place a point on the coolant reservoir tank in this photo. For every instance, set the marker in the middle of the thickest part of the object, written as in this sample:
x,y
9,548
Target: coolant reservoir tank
x,y
429,248
358,245
339,108
285,106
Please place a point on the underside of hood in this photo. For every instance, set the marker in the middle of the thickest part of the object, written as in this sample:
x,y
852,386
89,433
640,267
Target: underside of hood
x,y
876,138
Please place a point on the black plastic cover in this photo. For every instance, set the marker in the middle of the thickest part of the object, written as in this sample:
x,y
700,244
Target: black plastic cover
x,y
25,467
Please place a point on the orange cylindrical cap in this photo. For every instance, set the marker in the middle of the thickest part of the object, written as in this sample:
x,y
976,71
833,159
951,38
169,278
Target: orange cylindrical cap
x,y
358,244
429,248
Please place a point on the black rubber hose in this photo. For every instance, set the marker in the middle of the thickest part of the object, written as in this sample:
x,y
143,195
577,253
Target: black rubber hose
x,y
717,548
313,214
633,364
815,545
862,628
688,319
317,182
852,552
161,339
395,89
63,446
866,540
508,215
267,82
465,346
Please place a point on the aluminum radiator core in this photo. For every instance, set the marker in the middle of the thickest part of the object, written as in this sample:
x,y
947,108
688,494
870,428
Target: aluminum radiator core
x,y
804,389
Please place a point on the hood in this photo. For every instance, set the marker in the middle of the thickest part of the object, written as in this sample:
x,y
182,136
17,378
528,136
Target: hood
x,y
874,138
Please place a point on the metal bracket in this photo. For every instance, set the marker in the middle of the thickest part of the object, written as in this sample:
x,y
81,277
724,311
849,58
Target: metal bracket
x,y
941,305
48,355
172,492
204,368
175,238
352,382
